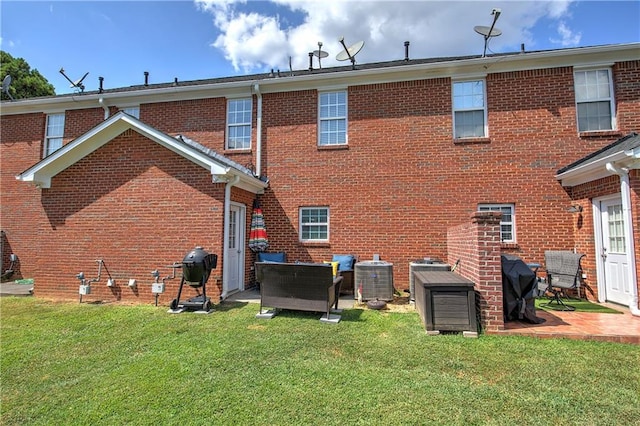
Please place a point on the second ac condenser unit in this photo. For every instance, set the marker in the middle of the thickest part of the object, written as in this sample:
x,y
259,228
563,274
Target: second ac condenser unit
x,y
426,264
374,280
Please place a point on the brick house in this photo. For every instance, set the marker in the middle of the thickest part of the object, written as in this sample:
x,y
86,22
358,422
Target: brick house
x,y
383,159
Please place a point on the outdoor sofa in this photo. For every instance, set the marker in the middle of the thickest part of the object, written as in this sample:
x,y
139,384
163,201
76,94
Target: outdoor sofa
x,y
298,286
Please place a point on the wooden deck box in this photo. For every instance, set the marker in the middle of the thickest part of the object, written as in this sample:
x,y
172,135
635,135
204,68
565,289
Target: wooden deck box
x,y
446,301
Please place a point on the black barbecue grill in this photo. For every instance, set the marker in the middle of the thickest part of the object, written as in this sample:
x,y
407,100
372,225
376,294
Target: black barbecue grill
x,y
196,268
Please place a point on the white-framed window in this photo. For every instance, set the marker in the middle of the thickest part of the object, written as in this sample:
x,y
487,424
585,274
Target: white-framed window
x,y
239,113
507,222
469,109
332,118
133,111
595,106
314,224
54,133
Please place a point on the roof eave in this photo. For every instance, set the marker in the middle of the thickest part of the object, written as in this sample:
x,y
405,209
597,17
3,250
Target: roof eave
x,y
597,169
456,67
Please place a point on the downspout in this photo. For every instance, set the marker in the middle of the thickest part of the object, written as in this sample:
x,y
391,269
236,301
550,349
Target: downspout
x,y
225,240
256,89
104,107
625,192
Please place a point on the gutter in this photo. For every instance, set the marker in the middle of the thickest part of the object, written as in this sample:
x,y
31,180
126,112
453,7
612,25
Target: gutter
x,y
258,173
105,107
625,192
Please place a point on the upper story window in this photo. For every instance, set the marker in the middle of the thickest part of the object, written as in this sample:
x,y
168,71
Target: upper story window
x,y
239,123
332,118
594,100
133,111
469,109
54,133
508,221
314,224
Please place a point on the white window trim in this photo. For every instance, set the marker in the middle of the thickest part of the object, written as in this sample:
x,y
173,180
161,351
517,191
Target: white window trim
x,y
47,137
512,223
328,224
484,108
346,117
250,123
612,100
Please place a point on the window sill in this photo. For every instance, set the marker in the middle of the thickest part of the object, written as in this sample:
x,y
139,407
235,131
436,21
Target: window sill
x,y
509,246
237,151
316,244
599,133
332,147
466,141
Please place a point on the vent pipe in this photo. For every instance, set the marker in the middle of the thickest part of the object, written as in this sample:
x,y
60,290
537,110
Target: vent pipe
x,y
100,80
406,50
146,78
310,61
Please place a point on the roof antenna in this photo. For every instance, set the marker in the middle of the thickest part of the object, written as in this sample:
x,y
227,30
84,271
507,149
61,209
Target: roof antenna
x,y
6,82
320,54
488,32
78,83
349,52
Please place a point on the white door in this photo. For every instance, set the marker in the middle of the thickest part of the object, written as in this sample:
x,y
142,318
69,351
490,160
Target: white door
x,y
614,252
235,262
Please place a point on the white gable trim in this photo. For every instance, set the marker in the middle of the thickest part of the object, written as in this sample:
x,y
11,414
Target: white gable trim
x,y
41,173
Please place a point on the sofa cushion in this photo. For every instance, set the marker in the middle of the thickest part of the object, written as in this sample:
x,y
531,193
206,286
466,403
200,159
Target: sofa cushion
x,y
272,257
334,265
345,261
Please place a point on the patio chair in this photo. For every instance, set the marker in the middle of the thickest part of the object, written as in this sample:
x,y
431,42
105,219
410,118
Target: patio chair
x,y
346,263
563,273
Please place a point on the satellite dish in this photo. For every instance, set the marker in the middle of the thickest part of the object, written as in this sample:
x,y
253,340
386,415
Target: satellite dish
x,y
78,83
320,54
349,52
6,82
488,32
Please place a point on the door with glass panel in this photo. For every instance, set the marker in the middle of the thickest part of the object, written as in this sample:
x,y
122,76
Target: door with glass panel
x,y
614,252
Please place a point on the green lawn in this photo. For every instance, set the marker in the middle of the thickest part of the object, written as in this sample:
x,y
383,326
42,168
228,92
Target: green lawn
x,y
89,364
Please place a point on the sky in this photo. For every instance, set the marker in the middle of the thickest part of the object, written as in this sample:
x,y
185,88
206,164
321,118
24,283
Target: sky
x,y
201,39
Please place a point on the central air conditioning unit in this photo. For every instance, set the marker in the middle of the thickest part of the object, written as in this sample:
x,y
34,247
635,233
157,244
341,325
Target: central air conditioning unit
x,y
374,279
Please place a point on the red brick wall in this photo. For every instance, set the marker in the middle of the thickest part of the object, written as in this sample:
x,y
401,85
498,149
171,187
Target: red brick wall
x,y
403,180
397,187
21,147
137,206
475,247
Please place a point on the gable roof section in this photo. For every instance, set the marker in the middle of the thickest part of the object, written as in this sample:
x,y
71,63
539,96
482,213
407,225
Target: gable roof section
x,y
221,168
625,152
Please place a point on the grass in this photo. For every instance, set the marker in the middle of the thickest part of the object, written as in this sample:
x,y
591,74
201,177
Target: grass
x,y
581,305
80,364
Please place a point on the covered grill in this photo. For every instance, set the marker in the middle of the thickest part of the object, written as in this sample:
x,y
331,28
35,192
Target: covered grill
x,y
196,268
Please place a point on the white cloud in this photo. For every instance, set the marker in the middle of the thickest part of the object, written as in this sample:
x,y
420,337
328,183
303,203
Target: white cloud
x,y
6,43
568,37
255,41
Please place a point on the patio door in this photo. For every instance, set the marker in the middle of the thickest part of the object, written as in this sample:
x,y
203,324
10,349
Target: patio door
x,y
235,248
614,254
